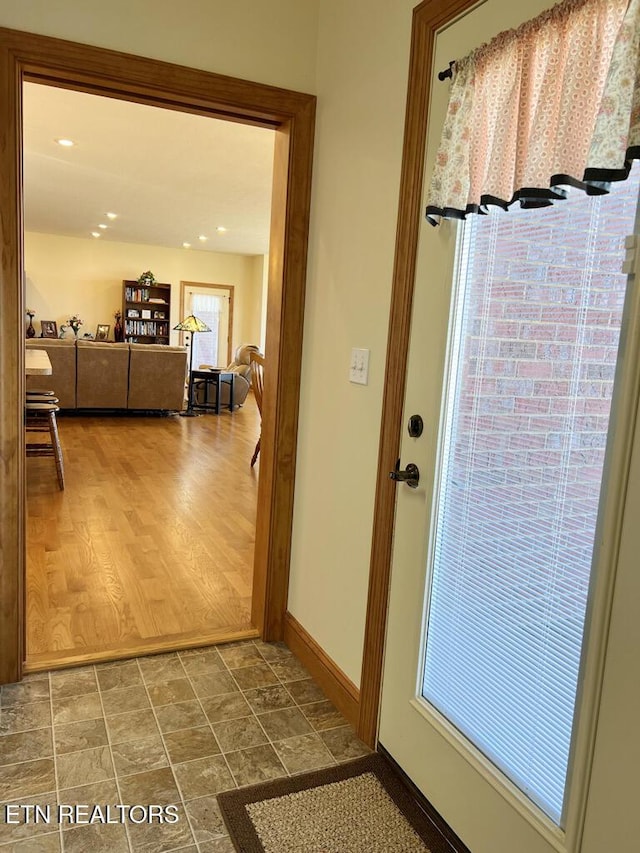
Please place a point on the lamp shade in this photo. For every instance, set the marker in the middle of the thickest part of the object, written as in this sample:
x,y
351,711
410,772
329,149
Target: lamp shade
x,y
192,324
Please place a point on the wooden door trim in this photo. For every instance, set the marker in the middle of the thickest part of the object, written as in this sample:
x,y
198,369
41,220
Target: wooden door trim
x,y
26,56
428,18
230,288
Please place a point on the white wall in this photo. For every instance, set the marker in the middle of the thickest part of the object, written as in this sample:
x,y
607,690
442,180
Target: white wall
x,y
363,55
71,275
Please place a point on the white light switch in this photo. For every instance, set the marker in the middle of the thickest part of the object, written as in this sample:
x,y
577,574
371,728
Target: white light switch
x,y
359,366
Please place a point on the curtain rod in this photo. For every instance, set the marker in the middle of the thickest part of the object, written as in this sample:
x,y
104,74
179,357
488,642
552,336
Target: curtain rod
x,y
448,72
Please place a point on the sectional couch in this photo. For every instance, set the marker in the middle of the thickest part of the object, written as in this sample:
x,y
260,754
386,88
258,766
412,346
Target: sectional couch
x,y
94,375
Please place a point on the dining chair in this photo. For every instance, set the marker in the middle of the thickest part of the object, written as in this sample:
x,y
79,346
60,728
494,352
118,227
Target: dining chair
x,y
256,362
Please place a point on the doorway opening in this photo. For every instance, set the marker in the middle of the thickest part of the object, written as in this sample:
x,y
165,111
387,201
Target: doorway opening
x,y
28,58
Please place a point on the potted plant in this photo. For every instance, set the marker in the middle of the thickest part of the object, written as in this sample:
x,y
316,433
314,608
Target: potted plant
x,y
146,278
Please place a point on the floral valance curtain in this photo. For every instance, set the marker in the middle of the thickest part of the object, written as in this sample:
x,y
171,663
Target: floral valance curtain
x,y
554,103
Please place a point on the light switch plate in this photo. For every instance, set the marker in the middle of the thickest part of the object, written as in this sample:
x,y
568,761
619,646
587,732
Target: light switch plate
x,y
359,366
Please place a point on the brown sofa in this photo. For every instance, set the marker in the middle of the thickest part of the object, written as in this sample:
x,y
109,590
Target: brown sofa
x,y
241,384
94,375
62,355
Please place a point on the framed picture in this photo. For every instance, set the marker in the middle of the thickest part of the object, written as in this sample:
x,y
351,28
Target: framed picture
x,y
49,328
133,312
102,332
159,315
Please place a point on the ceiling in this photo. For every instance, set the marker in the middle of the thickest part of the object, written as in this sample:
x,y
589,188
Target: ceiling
x,y
170,177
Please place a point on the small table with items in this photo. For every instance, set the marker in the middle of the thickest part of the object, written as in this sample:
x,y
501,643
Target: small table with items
x,y
209,377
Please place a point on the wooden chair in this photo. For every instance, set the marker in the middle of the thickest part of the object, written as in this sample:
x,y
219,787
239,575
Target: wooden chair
x,y
40,416
256,362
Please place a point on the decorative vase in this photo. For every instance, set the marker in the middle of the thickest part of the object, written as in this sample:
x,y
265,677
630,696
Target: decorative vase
x,y
31,332
118,332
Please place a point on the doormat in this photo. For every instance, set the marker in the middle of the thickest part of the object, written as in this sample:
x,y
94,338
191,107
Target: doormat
x,y
359,807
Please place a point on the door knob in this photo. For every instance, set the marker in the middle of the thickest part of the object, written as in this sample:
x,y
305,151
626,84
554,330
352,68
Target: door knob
x,y
410,475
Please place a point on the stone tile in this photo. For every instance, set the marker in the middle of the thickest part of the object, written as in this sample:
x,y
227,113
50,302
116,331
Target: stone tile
x,y
98,838
205,776
154,786
305,691
49,843
205,818
289,670
323,715
119,677
250,677
344,744
219,845
171,692
307,752
256,764
127,699
213,684
31,777
24,693
73,682
137,756
227,706
83,768
132,725
25,746
184,715
161,668
269,698
239,734
22,718
237,656
188,744
273,651
99,793
74,708
87,734
202,663
288,722
157,837
27,827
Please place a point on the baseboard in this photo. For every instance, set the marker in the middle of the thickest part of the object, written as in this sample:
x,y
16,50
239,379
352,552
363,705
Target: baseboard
x,y
338,688
436,819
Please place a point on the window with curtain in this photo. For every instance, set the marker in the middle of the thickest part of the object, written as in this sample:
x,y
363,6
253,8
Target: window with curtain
x,y
552,104
546,113
209,308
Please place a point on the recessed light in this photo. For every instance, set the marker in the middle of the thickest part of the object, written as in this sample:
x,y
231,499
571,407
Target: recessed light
x,y
96,234
202,238
221,229
186,245
66,143
103,226
111,215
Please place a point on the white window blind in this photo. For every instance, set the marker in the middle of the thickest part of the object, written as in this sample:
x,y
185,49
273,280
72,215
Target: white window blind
x,y
535,338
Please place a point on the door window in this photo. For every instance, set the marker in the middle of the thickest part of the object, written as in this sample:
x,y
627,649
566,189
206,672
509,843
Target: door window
x,y
537,306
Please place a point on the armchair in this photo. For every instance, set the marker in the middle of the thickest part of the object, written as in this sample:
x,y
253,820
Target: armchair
x,y
242,369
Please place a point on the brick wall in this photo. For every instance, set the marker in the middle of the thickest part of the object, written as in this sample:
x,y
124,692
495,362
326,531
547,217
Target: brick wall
x,y
542,314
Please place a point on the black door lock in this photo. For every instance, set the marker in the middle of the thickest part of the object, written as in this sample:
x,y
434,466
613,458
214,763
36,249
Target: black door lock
x,y
415,427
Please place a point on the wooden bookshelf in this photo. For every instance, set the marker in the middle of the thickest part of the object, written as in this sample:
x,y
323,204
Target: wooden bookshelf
x,y
146,310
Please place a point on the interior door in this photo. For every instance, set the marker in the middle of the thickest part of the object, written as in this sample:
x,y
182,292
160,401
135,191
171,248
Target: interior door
x,y
486,804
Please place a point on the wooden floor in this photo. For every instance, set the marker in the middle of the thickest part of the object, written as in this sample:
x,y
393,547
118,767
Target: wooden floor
x,y
150,546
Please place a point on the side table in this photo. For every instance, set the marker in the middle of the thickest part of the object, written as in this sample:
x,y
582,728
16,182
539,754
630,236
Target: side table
x,y
216,378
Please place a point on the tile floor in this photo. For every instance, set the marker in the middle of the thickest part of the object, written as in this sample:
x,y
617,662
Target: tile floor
x,y
171,729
